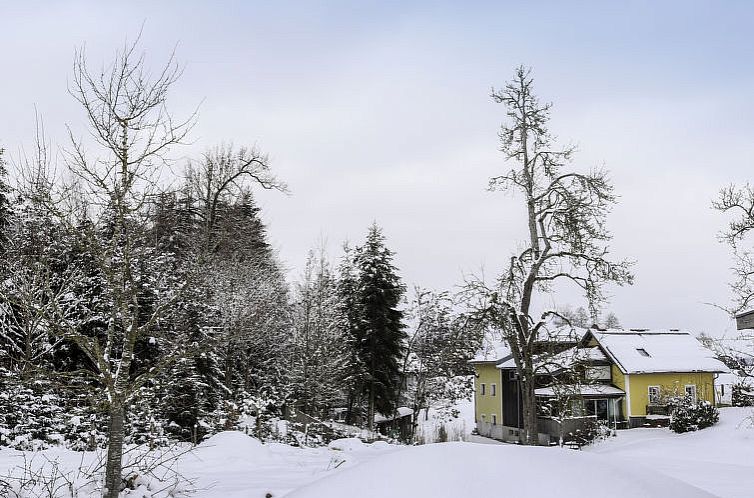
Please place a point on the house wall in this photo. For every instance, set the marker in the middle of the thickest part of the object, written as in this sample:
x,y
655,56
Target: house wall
x,y
619,381
724,393
669,383
487,404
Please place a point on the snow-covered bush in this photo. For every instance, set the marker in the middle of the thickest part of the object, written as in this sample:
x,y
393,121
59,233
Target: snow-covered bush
x,y
592,431
742,395
687,415
31,416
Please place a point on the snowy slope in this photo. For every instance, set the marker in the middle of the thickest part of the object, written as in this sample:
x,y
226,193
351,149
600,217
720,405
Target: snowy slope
x,y
465,469
719,459
233,465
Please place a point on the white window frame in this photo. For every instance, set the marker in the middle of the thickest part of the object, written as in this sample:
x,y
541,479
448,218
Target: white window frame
x,y
482,389
493,389
649,394
692,393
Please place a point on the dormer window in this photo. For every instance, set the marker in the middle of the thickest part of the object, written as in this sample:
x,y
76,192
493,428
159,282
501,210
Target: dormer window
x,y
642,351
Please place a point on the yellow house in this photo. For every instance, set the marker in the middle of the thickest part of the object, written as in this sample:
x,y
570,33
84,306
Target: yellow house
x,y
650,365
488,398
631,374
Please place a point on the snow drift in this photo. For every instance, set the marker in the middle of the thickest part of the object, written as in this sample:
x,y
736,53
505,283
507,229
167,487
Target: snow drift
x,y
465,469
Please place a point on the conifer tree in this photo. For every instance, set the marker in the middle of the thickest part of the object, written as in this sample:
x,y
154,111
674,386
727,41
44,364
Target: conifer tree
x,y
380,336
6,210
347,284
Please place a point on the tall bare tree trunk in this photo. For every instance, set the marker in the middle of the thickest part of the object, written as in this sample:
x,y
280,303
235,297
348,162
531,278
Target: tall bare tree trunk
x,y
530,429
567,236
115,429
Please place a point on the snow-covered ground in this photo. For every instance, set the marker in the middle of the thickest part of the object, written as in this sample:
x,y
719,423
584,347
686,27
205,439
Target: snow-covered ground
x,y
718,461
232,465
468,469
457,428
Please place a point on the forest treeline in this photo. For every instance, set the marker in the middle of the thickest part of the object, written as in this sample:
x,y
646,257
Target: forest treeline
x,y
231,340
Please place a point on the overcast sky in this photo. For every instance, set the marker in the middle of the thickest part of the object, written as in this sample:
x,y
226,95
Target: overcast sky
x,y
381,111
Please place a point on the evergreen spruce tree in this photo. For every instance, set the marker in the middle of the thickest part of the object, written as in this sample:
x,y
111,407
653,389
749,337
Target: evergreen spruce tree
x,y
379,334
191,389
347,285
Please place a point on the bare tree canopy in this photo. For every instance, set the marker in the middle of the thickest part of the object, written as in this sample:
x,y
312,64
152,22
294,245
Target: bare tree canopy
x,y
739,203
567,238
133,133
226,174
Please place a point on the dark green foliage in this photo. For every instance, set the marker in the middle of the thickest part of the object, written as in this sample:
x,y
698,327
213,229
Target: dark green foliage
x,y
592,431
688,415
379,332
742,395
39,413
6,208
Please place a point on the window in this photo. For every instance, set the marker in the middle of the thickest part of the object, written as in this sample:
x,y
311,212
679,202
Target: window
x,y
642,351
654,395
512,375
494,419
493,389
691,391
483,389
596,407
722,389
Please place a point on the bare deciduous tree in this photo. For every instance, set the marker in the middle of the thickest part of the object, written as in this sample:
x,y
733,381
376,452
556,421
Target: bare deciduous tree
x,y
133,133
739,201
223,177
566,240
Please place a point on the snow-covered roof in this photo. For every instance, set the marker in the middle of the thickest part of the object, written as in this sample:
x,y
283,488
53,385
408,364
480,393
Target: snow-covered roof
x,y
492,352
403,411
654,351
509,363
551,363
591,390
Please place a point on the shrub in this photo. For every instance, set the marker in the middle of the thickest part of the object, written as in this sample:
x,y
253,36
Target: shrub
x,y
687,415
592,431
741,395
